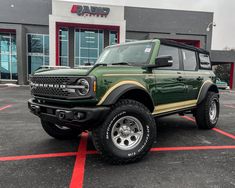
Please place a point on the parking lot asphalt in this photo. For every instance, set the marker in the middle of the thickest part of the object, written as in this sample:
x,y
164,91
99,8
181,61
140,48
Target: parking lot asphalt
x,y
182,155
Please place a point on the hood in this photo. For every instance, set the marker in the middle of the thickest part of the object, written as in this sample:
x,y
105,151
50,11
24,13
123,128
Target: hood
x,y
63,72
98,71
116,70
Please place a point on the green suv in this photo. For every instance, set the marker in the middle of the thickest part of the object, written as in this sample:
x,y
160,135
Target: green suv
x,y
120,97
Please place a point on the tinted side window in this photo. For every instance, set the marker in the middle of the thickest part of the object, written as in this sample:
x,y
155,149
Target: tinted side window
x,y
205,62
170,51
189,60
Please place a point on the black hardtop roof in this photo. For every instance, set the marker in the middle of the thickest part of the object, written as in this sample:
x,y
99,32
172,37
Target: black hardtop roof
x,y
182,45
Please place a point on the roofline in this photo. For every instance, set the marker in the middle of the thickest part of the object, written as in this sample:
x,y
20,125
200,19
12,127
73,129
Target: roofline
x,y
182,45
166,42
168,9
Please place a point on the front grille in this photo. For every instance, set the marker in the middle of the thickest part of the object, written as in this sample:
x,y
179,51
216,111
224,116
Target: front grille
x,y
50,91
53,86
53,80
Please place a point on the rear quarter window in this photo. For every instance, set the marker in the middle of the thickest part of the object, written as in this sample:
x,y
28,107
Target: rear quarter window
x,y
189,60
205,62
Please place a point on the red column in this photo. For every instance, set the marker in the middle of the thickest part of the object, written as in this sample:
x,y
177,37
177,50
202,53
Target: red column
x,y
197,44
231,75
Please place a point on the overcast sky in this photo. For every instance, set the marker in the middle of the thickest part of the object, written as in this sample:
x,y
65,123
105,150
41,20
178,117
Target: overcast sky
x,y
224,15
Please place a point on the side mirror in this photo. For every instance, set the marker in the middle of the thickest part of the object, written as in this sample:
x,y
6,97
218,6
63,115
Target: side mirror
x,y
162,61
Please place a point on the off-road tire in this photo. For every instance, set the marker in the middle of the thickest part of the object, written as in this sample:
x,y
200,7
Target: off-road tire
x,y
58,133
102,134
202,114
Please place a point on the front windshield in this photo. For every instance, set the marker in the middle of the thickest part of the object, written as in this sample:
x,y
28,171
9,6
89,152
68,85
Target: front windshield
x,y
131,54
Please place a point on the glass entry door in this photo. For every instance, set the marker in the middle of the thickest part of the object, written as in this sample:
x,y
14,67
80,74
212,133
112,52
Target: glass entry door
x,y
8,58
88,46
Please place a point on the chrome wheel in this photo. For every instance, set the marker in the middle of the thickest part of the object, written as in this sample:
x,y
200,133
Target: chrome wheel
x,y
127,132
213,111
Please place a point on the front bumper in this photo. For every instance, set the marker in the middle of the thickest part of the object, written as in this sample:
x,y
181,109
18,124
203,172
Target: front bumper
x,y
75,117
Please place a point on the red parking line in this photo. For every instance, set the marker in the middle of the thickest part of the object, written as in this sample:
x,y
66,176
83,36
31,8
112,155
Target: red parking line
x,y
37,156
224,133
79,167
214,129
191,148
91,152
4,107
180,148
188,118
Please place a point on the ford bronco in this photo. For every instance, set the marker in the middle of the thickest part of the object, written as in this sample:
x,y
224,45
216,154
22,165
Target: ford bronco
x,y
119,98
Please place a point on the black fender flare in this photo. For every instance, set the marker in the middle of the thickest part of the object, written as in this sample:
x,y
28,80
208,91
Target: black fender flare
x,y
115,94
207,86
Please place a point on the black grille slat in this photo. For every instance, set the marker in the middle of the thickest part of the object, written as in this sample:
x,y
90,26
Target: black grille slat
x,y
52,91
53,80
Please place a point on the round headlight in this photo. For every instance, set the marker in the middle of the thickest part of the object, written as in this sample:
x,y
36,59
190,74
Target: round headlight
x,y
83,86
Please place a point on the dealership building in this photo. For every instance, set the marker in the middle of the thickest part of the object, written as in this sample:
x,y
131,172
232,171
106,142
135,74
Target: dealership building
x,y
72,33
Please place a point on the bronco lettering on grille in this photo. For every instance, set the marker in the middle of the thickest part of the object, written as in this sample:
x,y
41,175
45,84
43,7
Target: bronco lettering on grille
x,y
34,85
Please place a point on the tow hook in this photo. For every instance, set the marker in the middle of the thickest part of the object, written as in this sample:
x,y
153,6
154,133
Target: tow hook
x,y
61,115
64,114
35,109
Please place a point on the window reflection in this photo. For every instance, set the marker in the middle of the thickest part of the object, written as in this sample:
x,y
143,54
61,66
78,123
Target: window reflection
x,y
35,43
46,45
38,51
8,58
14,67
5,66
63,44
88,46
35,62
113,37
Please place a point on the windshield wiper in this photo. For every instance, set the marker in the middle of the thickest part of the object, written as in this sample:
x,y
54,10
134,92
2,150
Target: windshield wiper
x,y
121,63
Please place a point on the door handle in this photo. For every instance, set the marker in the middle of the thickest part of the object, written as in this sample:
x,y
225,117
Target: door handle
x,y
180,78
199,78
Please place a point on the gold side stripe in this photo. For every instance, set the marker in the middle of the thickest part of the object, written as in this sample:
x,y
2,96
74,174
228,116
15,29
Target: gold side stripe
x,y
160,108
117,85
174,106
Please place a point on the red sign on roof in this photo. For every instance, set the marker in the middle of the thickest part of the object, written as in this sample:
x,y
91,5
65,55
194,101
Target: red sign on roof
x,y
83,10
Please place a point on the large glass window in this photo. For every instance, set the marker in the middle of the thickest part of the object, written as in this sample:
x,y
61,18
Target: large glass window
x,y
8,58
189,60
64,46
113,37
88,46
38,51
170,51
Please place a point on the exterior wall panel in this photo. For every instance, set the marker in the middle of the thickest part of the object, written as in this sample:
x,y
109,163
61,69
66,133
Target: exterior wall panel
x,y
33,12
167,21
189,24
